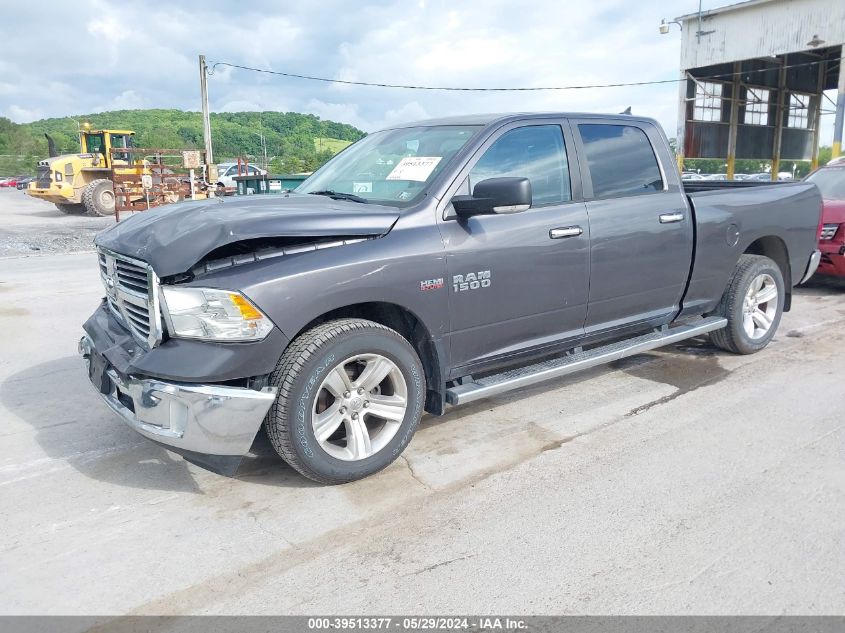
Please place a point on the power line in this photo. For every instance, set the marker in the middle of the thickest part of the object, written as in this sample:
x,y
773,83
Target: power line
x,y
214,65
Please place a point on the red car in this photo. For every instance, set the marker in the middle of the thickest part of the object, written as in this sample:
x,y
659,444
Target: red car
x,y
831,182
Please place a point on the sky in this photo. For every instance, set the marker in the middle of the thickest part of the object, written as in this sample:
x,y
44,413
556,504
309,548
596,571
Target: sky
x,y
65,58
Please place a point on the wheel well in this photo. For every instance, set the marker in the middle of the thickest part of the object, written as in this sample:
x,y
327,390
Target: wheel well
x,y
411,328
774,248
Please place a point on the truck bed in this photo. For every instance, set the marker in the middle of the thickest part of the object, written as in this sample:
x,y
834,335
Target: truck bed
x,y
695,186
730,217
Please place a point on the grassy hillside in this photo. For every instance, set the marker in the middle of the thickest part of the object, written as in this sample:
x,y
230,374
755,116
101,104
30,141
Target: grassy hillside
x,y
333,145
299,142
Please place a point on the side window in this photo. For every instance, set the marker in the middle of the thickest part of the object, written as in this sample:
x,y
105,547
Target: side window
x,y
535,152
119,141
621,160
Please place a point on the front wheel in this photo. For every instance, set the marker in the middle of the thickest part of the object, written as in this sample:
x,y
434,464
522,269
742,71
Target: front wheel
x,y
752,304
98,197
351,394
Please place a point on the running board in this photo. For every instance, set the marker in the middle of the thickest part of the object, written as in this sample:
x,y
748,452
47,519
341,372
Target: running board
x,y
571,363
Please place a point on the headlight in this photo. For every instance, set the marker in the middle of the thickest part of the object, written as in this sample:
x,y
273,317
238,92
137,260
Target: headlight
x,y
212,314
58,176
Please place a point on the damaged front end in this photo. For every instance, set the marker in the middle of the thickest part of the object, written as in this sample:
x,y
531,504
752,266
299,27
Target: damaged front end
x,y
182,358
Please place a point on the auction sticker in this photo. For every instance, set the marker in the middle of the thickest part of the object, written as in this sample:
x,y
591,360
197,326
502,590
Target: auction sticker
x,y
417,168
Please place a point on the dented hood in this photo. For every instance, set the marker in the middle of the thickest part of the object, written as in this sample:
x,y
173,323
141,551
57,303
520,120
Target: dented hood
x,y
174,237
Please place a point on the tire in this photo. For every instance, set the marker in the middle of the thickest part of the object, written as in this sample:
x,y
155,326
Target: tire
x,y
70,208
310,384
753,279
98,197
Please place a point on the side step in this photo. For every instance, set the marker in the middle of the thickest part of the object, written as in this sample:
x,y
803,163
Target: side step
x,y
571,363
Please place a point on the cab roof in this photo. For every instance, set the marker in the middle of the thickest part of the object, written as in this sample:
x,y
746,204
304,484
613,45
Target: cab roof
x,y
507,117
107,130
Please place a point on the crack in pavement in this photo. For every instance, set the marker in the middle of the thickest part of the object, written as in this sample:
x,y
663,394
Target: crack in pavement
x,y
442,563
414,475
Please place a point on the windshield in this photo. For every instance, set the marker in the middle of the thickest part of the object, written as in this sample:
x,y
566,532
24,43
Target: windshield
x,y
392,167
831,182
94,143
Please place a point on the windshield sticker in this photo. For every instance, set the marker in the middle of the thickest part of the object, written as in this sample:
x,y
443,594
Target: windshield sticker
x,y
417,168
362,187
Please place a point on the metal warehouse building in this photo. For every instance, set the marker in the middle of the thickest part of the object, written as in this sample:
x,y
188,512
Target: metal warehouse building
x,y
753,76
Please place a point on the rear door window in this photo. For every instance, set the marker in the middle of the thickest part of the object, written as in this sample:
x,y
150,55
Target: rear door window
x,y
620,159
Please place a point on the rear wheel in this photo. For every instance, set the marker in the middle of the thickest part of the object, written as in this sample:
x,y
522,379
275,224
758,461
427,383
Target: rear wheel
x,y
752,304
351,394
70,208
98,197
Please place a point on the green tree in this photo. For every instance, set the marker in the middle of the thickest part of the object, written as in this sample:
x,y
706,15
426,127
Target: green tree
x,y
289,135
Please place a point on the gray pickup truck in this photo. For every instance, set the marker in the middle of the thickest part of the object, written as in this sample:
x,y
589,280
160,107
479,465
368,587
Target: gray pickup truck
x,y
429,264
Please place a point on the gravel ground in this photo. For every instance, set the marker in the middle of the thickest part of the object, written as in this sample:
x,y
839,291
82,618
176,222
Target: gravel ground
x,y
29,226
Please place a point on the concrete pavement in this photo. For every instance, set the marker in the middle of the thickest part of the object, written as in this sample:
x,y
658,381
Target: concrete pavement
x,y
681,481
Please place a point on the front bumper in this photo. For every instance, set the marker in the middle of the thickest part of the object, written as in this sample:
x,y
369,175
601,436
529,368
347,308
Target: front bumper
x,y
189,418
57,195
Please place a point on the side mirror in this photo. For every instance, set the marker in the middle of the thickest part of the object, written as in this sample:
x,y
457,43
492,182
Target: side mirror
x,y
495,195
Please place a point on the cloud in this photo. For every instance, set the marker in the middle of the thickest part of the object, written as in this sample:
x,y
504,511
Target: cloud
x,y
145,55
23,115
126,100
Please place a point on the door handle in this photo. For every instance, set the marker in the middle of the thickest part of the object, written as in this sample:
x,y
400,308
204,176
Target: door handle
x,y
566,231
668,218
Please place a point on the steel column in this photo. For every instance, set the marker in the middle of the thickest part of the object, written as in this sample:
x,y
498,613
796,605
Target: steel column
x,y
781,100
840,107
817,114
734,122
680,134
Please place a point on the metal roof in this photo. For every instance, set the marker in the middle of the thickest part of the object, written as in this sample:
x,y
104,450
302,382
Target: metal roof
x,y
725,9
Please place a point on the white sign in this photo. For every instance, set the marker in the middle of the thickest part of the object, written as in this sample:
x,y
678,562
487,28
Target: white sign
x,y
362,187
417,168
191,159
275,185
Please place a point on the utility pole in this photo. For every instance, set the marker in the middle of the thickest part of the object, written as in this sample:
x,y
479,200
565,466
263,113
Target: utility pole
x,y
78,132
264,150
206,125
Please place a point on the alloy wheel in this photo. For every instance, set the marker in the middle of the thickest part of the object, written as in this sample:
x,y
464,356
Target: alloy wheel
x,y
359,407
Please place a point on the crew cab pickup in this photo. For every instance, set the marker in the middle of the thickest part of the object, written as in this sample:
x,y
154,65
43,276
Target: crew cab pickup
x,y
427,265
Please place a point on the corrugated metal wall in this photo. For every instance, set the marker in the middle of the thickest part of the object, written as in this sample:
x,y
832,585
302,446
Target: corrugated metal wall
x,y
761,36
761,29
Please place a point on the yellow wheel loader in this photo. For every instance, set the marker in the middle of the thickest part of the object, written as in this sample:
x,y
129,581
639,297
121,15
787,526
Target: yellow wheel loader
x,y
81,183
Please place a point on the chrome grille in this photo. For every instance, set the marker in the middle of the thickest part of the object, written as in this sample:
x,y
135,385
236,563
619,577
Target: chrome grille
x,y
132,295
828,231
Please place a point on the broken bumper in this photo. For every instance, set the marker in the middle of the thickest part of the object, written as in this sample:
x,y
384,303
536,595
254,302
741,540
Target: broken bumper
x,y
195,420
832,259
